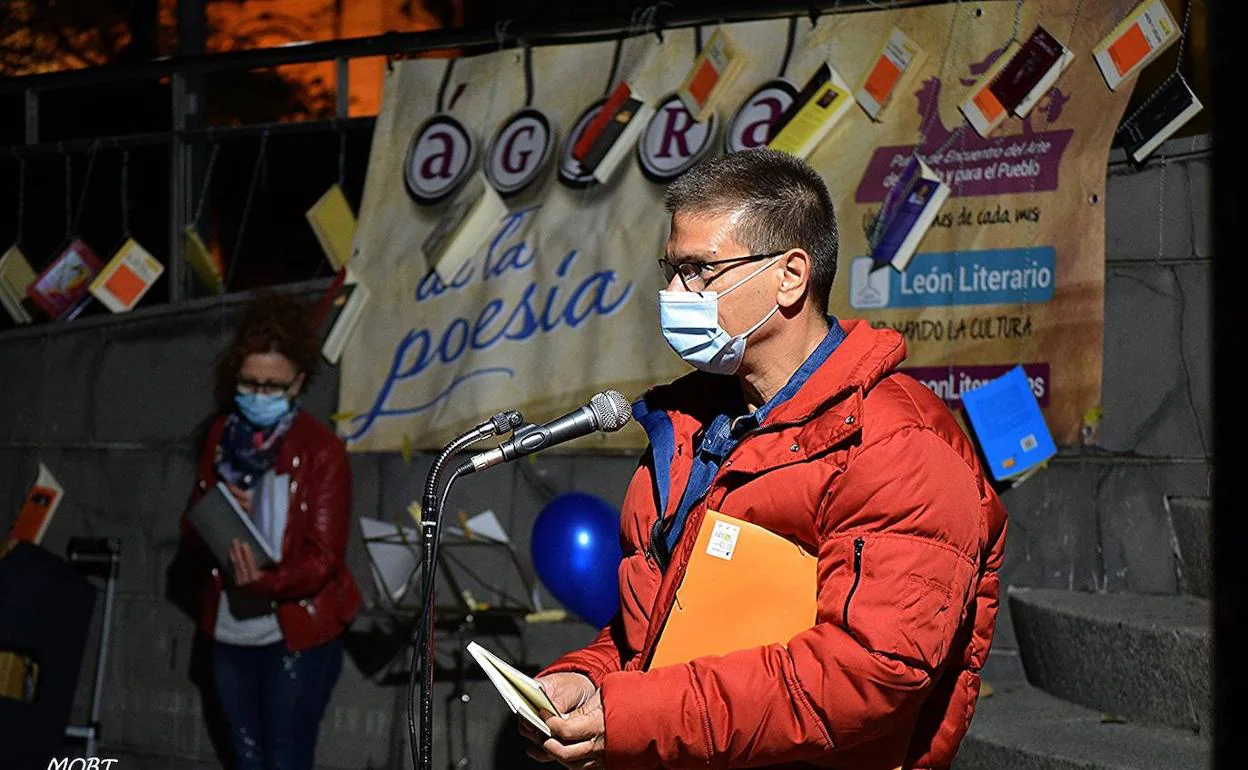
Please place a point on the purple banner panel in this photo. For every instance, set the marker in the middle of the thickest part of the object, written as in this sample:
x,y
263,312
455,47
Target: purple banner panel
x,y
1022,163
951,382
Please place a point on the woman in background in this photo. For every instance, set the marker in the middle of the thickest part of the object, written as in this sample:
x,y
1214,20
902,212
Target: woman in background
x,y
276,632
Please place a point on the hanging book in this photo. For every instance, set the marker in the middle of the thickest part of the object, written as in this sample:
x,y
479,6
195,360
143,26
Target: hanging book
x,y
16,276
1009,425
822,102
613,133
1031,72
1135,41
982,109
464,228
38,508
908,211
334,224
1164,113
348,319
713,71
897,60
204,263
66,281
126,277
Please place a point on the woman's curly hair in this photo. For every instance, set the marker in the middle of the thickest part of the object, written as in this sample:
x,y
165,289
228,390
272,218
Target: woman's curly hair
x,y
269,323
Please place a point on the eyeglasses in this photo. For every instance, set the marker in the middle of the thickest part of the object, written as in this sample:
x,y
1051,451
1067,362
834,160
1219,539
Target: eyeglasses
x,y
263,388
696,274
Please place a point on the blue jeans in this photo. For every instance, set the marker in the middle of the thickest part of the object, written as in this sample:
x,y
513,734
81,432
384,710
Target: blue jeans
x,y
273,701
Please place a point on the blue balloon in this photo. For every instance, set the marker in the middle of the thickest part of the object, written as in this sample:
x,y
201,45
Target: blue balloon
x,y
576,551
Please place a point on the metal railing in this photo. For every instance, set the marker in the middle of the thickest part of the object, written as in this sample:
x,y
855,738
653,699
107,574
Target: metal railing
x,y
180,71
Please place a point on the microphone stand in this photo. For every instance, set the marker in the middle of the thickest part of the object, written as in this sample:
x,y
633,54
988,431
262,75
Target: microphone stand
x,y
422,652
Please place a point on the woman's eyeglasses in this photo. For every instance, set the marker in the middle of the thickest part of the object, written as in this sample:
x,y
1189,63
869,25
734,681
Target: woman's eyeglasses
x,y
263,388
696,274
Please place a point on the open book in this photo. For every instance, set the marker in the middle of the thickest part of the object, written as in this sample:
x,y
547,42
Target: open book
x,y
522,693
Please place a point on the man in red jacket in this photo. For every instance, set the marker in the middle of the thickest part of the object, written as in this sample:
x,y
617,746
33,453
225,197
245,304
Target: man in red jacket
x,y
799,423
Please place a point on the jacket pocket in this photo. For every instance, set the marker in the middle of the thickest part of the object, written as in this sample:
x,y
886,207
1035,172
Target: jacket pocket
x,y
904,596
859,543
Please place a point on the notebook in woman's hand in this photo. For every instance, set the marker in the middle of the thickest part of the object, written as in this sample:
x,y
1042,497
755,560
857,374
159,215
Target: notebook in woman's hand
x,y
220,521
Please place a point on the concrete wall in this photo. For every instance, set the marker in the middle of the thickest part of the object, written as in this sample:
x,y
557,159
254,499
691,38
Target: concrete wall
x,y
114,406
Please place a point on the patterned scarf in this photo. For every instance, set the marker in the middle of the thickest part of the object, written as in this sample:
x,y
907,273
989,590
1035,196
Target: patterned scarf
x,y
246,452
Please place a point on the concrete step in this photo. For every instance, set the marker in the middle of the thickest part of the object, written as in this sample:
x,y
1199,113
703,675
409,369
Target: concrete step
x,y
1143,658
1191,519
1022,728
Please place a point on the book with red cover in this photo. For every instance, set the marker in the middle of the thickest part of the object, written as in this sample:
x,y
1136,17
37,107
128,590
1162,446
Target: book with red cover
x,y
38,508
619,95
67,280
1028,67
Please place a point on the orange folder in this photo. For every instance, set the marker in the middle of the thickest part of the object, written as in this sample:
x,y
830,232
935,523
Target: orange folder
x,y
744,587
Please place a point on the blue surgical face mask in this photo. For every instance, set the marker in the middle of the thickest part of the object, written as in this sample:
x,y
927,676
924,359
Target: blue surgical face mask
x,y
263,411
690,322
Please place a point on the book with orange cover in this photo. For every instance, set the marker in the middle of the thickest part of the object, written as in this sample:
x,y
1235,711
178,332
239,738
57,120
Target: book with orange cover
x,y
38,508
727,600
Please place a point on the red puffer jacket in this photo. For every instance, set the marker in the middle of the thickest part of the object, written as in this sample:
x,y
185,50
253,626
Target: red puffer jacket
x,y
312,590
870,471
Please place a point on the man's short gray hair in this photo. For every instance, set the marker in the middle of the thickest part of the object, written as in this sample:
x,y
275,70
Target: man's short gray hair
x,y
779,201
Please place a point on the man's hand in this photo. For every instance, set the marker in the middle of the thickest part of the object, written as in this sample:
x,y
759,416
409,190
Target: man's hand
x,y
578,739
244,562
567,691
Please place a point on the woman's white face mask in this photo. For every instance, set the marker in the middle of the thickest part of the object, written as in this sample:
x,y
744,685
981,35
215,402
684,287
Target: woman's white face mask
x,y
690,322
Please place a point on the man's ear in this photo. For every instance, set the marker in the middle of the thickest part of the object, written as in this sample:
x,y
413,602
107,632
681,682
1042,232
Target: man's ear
x,y
795,266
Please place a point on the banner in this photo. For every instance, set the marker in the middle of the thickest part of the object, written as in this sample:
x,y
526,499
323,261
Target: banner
x,y
560,300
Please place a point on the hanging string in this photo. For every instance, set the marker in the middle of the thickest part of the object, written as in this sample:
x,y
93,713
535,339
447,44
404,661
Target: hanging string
x,y
528,75
125,194
615,66
788,46
697,42
1187,19
446,79
1018,18
933,110
1074,23
251,194
21,199
204,186
86,183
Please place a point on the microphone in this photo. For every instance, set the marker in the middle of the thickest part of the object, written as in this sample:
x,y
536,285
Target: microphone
x,y
606,412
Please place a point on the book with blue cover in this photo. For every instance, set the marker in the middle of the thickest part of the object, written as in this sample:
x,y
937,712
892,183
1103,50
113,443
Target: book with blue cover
x,y
1007,420
908,211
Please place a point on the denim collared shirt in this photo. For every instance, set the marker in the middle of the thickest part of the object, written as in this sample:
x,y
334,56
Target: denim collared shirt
x,y
726,431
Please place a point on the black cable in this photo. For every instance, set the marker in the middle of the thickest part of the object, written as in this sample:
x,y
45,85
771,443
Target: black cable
x,y
446,79
432,504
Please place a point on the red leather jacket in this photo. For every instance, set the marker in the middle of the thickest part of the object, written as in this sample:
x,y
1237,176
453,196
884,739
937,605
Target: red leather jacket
x,y
867,469
313,593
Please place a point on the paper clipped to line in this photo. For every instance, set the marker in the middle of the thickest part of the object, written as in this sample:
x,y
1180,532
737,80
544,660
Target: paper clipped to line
x,y
1135,41
822,102
334,223
126,277
897,61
